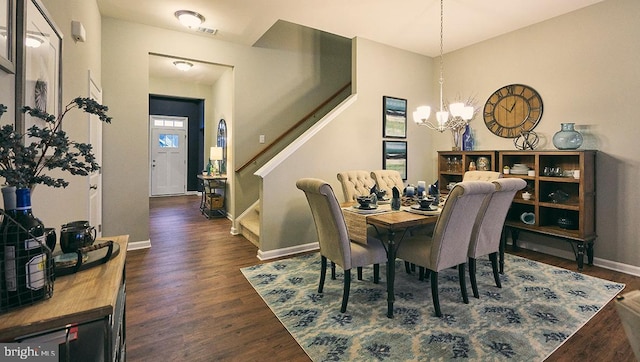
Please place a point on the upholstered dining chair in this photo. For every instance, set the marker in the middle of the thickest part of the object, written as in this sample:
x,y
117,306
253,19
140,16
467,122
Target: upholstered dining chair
x,y
449,244
355,183
387,179
334,238
488,228
481,175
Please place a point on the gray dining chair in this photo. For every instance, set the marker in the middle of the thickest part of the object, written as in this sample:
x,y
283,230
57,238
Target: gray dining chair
x,y
333,237
449,244
489,225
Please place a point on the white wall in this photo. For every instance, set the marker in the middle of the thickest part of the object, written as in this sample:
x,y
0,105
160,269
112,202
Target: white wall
x,y
585,67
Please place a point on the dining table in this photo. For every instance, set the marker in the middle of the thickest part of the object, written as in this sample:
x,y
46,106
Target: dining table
x,y
389,224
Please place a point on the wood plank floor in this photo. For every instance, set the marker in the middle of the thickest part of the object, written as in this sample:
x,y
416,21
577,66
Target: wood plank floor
x,y
188,301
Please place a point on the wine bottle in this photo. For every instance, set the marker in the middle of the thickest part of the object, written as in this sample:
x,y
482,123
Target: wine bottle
x,y
9,199
25,255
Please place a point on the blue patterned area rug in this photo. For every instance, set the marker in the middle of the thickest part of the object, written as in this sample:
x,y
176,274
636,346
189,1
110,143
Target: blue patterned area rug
x,y
538,308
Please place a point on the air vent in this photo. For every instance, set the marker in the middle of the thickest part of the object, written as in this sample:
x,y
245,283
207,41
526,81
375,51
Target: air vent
x,y
208,30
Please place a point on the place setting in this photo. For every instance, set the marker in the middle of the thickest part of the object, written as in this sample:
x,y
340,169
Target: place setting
x,y
426,205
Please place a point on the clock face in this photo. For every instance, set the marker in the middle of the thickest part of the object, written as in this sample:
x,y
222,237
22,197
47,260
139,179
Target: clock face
x,y
512,109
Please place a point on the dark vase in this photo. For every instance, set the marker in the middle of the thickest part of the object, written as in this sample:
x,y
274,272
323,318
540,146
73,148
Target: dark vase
x,y
467,139
567,138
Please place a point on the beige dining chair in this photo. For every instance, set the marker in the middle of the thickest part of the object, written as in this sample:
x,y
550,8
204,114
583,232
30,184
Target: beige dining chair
x,y
449,245
489,225
333,237
481,175
355,183
387,179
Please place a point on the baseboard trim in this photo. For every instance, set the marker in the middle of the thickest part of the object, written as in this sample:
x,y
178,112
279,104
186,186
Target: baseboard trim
x,y
277,253
137,245
603,263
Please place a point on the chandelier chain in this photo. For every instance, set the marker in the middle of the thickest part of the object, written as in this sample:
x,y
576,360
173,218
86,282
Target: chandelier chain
x,y
441,50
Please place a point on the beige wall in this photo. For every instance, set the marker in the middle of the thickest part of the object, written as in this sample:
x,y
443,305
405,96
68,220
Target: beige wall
x,y
351,141
267,85
585,67
58,206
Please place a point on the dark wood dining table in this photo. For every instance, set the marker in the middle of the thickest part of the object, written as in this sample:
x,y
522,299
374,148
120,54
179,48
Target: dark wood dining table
x,y
394,222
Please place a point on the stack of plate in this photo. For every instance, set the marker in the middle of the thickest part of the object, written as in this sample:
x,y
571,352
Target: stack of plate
x,y
519,169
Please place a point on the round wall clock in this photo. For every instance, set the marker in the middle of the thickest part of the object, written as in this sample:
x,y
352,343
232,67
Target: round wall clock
x,y
512,109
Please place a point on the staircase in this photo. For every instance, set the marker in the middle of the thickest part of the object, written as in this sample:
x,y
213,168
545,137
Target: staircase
x,y
250,225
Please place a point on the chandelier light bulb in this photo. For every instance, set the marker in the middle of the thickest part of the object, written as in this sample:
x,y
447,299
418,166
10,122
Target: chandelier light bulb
x,y
421,114
456,109
467,113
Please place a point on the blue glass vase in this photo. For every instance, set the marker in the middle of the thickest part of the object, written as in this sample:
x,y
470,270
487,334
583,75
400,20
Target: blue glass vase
x,y
467,139
567,138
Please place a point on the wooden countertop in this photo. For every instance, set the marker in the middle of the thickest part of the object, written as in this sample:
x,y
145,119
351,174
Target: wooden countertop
x,y
84,296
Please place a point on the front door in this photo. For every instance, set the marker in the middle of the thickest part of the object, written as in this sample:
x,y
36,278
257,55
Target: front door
x,y
168,155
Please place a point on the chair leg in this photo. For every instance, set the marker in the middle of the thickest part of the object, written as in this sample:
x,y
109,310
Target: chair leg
x,y
333,271
345,293
494,265
463,283
376,273
323,272
472,277
434,293
421,273
407,267
359,273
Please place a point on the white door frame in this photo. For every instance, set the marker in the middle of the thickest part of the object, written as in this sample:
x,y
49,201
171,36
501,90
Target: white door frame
x,y
159,122
94,180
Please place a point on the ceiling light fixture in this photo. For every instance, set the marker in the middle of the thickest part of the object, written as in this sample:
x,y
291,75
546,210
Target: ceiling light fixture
x,y
189,18
461,113
182,65
33,41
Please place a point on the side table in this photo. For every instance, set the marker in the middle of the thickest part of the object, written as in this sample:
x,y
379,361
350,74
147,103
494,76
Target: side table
x,y
213,194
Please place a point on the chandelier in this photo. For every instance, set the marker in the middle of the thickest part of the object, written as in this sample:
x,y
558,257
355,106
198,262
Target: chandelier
x,y
461,113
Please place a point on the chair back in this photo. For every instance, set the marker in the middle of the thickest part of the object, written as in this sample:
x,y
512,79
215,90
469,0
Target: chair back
x,y
387,179
452,232
355,183
329,220
481,176
485,238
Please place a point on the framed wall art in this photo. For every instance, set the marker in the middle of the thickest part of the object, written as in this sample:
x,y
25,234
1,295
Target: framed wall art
x,y
39,63
394,156
7,35
394,115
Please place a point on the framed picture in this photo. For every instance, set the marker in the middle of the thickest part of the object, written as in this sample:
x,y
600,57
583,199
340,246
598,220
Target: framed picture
x,y
394,156
394,115
7,35
39,63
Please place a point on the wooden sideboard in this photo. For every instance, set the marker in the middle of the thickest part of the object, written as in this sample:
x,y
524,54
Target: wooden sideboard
x,y
92,300
578,208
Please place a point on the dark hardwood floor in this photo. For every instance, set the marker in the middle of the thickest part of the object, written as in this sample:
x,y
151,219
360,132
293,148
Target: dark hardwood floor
x,y
188,301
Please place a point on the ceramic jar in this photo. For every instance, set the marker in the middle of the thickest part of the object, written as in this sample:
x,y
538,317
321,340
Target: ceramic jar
x,y
483,164
567,138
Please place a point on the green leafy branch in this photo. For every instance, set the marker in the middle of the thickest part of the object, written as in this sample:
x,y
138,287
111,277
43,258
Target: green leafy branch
x,y
24,158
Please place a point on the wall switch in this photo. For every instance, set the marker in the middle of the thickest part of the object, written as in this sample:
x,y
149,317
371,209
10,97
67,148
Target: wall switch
x,y
261,138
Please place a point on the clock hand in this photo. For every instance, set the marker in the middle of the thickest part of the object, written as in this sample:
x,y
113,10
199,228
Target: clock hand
x,y
511,109
505,108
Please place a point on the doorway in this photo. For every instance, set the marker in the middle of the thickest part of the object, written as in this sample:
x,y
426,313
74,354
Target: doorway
x,y
193,109
168,151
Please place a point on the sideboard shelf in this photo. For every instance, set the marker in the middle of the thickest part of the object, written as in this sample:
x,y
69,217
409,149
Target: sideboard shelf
x,y
579,208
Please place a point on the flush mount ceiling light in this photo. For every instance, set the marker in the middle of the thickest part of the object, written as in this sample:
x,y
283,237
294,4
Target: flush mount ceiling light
x,y
182,65
33,41
189,18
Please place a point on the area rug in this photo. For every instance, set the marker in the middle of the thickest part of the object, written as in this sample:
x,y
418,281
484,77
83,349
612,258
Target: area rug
x,y
538,308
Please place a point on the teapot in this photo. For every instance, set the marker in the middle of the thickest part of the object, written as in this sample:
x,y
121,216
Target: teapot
x,y
75,235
